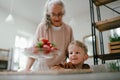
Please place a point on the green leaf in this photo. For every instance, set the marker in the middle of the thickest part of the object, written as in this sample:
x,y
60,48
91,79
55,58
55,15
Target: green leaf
x,y
114,39
39,44
53,44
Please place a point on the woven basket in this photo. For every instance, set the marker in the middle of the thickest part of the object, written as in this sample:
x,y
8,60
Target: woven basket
x,y
114,47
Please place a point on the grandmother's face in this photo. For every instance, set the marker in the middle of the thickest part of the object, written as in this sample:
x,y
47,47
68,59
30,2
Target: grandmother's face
x,y
56,14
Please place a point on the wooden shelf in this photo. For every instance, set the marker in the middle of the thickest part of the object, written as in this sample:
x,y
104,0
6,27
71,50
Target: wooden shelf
x,y
102,2
3,58
108,24
7,50
110,56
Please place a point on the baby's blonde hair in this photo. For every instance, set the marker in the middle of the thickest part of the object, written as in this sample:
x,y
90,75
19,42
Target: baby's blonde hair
x,y
79,44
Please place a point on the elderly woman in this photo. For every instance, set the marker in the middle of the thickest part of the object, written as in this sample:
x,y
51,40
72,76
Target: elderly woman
x,y
55,30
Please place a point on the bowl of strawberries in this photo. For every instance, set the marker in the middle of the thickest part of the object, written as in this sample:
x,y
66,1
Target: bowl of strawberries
x,y
44,49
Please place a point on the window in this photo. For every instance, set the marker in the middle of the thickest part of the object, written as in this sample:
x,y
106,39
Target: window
x,y
117,30
88,42
19,59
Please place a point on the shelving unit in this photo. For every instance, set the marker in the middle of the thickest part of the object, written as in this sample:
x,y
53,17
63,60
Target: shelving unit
x,y
102,26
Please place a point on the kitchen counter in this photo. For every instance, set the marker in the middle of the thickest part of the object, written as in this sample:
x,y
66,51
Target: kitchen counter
x,y
60,75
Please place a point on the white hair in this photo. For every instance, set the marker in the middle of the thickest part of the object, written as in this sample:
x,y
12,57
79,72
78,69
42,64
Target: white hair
x,y
47,9
53,2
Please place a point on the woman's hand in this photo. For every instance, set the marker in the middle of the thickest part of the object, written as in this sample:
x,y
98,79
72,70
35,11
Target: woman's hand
x,y
35,49
25,70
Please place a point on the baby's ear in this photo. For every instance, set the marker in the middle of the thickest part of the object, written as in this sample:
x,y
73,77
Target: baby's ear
x,y
85,57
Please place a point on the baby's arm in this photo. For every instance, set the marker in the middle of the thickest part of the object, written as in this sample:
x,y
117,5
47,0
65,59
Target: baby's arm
x,y
68,65
57,67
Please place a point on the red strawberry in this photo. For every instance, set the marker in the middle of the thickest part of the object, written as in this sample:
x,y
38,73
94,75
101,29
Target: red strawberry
x,y
46,46
45,41
46,49
48,43
54,48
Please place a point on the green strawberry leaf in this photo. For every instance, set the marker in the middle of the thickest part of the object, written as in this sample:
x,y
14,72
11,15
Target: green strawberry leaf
x,y
39,44
53,44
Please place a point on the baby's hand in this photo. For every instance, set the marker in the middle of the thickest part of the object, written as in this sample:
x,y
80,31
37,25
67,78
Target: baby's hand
x,y
57,68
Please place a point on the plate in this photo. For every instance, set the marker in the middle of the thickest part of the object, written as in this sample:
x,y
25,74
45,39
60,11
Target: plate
x,y
41,54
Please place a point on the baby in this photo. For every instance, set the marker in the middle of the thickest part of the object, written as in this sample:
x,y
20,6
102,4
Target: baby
x,y
77,55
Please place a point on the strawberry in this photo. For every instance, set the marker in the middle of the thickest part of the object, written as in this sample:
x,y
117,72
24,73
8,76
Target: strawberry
x,y
53,48
48,43
47,51
45,41
46,48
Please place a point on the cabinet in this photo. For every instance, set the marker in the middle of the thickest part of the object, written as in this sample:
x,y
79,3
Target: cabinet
x,y
4,59
102,25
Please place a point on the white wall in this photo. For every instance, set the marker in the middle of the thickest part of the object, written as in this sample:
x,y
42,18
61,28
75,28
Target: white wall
x,y
81,26
8,31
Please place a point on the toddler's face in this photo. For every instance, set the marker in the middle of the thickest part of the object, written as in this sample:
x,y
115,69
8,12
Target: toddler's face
x,y
76,54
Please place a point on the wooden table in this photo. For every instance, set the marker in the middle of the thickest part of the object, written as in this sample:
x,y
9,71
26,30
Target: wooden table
x,y
79,75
